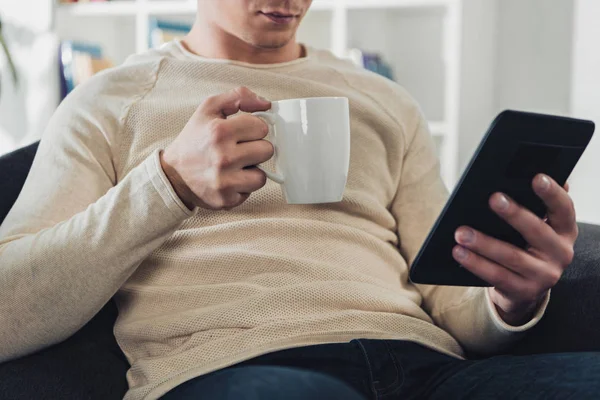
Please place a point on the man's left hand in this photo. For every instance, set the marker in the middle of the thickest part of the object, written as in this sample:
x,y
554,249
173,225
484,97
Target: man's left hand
x,y
522,278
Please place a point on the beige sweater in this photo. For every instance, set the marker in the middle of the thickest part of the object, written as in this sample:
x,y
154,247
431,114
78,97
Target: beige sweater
x,y
198,291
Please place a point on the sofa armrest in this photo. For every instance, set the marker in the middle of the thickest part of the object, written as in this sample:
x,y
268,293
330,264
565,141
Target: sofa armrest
x,y
88,365
572,319
14,168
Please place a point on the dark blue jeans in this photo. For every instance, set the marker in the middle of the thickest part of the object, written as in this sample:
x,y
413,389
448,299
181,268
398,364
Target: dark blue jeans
x,y
389,369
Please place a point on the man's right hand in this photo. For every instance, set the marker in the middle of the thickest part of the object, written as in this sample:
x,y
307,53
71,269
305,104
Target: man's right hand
x,y
211,163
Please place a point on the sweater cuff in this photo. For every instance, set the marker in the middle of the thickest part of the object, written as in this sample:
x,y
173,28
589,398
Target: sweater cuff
x,y
489,333
506,328
163,186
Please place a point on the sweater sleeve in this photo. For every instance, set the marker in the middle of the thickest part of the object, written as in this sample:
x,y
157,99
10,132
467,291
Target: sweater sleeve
x,y
75,234
467,313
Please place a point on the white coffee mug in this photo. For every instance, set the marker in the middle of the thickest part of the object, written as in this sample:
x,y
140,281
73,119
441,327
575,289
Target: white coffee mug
x,y
311,138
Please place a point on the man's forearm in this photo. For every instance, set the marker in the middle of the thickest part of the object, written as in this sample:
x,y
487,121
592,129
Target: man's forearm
x,y
53,281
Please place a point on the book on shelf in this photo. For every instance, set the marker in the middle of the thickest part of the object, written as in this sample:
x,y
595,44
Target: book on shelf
x,y
163,31
78,62
371,61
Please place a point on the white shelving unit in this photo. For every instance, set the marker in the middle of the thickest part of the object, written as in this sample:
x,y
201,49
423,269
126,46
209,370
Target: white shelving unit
x,y
421,39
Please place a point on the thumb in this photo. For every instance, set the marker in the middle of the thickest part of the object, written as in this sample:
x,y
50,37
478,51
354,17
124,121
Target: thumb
x,y
229,103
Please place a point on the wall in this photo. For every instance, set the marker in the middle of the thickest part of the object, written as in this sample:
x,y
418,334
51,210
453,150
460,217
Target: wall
x,y
517,54
534,55
548,61
25,108
585,103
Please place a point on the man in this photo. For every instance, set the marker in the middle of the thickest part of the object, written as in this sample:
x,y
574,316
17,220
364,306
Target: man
x,y
144,186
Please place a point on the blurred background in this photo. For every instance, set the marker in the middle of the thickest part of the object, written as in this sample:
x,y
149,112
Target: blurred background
x,y
463,60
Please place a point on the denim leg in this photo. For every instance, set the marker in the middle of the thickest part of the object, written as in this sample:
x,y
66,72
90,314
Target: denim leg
x,y
343,361
385,373
257,382
403,370
394,370
432,375
543,376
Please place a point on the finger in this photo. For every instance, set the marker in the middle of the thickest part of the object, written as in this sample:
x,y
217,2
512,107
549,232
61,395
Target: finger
x,y
229,103
496,275
517,260
567,186
561,211
249,180
239,198
253,153
246,127
535,231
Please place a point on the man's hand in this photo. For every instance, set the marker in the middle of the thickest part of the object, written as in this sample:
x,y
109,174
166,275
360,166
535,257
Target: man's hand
x,y
211,162
521,278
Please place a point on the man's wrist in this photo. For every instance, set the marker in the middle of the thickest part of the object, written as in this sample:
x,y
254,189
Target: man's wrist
x,y
518,318
181,189
518,315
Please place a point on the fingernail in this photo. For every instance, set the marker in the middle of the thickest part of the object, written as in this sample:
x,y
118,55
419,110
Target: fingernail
x,y
502,203
460,253
466,236
544,183
262,98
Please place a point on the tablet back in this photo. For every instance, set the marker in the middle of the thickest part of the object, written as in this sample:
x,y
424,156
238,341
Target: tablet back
x,y
517,146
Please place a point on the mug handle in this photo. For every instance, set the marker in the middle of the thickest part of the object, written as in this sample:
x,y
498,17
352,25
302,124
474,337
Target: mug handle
x,y
270,120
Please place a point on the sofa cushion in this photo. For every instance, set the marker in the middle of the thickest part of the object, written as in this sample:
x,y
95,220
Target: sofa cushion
x,y
572,319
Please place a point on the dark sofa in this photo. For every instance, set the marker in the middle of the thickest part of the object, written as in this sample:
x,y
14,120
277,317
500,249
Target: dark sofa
x,y
90,365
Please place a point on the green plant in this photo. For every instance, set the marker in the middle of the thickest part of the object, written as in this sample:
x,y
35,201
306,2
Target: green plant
x,y
11,64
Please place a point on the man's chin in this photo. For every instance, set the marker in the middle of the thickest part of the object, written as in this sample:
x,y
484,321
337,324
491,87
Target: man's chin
x,y
270,46
271,43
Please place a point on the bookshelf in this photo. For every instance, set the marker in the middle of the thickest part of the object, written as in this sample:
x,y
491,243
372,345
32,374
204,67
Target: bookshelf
x,y
427,63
